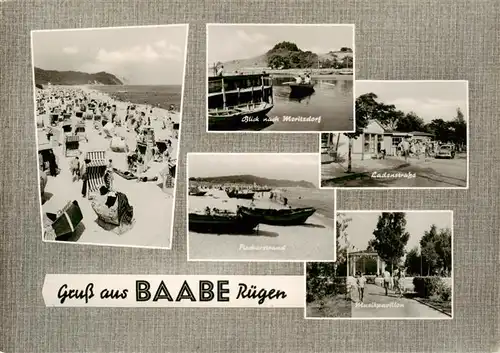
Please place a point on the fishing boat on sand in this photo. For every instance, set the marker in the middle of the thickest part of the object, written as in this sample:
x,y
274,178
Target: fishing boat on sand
x,y
195,191
235,101
279,217
222,222
261,189
236,194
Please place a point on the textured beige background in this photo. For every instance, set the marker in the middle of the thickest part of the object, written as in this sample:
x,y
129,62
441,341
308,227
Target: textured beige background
x,y
445,39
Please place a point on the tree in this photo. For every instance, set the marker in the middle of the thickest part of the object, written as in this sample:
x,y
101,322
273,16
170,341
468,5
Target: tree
x,y
440,129
411,122
389,115
413,262
428,249
342,243
460,129
365,106
371,245
443,250
346,49
391,237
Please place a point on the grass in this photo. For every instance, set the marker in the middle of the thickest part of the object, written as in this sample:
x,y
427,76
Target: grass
x,y
330,306
436,302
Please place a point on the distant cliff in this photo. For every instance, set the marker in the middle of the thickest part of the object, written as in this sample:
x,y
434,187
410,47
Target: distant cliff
x,y
43,77
252,179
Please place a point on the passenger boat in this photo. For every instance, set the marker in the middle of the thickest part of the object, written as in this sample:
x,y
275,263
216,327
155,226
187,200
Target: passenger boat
x,y
233,98
280,217
301,89
222,223
236,194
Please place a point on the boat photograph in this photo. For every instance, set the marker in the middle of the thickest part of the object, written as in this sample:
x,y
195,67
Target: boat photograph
x,y
294,78
254,210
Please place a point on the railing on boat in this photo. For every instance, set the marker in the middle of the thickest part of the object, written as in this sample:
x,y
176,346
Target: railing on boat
x,y
241,84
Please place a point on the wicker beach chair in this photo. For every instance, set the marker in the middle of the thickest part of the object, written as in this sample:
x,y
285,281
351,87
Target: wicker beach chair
x,y
72,146
96,170
80,131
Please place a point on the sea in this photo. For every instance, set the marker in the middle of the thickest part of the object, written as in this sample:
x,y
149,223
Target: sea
x,y
322,200
161,96
332,100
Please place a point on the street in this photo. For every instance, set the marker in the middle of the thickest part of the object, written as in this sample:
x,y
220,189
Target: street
x,y
419,173
377,305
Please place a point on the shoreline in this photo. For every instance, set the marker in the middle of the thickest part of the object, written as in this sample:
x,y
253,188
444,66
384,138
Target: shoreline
x,y
175,115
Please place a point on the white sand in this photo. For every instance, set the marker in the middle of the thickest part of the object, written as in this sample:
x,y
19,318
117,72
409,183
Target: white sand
x,y
313,241
153,207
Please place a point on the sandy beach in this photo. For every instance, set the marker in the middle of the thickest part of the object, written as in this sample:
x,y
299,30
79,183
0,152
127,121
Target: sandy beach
x,y
152,203
314,240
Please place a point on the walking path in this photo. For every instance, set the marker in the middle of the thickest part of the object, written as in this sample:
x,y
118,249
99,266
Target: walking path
x,y
377,305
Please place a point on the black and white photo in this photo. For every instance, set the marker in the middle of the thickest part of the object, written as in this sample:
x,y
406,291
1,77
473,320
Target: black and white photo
x,y
258,207
280,77
390,265
409,134
108,112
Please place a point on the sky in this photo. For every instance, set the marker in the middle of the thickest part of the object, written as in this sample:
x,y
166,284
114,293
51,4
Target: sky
x,y
300,166
360,229
429,100
226,43
141,55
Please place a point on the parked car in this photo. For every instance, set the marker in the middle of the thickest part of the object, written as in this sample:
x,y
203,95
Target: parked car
x,y
446,151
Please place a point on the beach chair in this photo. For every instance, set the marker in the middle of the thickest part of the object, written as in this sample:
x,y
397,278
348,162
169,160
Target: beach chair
x,y
65,222
44,153
96,170
80,131
54,118
67,127
79,114
72,146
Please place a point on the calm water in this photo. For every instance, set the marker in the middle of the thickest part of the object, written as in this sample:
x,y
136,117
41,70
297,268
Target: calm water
x,y
332,100
322,200
159,96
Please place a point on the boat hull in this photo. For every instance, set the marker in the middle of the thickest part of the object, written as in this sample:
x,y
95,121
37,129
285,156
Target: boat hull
x,y
198,193
238,120
284,217
238,195
221,224
297,89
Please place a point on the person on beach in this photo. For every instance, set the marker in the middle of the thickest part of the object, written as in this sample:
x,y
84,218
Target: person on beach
x,y
361,280
307,79
298,79
220,71
84,177
75,168
387,281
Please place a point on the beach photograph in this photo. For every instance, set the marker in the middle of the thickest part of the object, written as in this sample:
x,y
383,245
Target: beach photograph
x,y
409,134
280,77
390,265
258,207
108,112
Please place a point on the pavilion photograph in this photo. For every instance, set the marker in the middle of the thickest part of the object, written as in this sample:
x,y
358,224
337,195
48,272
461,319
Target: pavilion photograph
x,y
401,269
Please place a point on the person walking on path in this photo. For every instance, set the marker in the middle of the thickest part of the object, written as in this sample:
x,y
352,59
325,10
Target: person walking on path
x,y
387,280
405,148
361,280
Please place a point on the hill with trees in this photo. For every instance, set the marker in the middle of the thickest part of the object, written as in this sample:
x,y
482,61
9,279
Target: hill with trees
x,y
44,77
252,179
287,55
